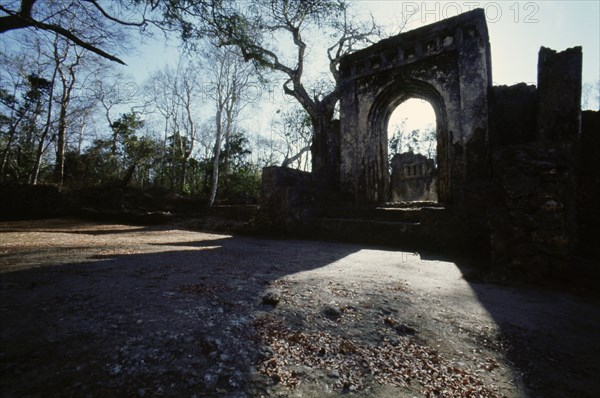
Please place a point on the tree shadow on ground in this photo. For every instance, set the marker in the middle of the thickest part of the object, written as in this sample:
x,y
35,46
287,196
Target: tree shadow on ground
x,y
180,321
548,334
171,323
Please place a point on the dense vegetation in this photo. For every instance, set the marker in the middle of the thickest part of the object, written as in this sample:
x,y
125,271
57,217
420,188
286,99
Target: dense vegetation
x,y
70,116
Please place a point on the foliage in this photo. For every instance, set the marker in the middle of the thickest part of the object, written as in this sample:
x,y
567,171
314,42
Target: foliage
x,y
260,30
22,126
58,107
294,126
419,141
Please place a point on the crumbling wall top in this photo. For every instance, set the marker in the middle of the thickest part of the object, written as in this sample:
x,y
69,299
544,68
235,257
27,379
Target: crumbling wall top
x,y
420,43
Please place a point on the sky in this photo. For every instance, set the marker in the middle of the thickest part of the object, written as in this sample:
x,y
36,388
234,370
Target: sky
x,y
517,30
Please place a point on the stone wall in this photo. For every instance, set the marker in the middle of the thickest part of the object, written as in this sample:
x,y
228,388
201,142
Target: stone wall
x,y
286,199
530,229
533,222
559,94
588,191
513,114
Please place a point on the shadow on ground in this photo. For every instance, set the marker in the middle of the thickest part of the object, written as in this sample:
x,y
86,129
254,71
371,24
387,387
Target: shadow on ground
x,y
179,321
171,323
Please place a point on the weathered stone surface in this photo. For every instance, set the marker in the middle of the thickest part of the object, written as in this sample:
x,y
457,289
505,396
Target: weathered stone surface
x,y
447,64
532,228
413,178
511,171
286,197
513,114
559,94
588,192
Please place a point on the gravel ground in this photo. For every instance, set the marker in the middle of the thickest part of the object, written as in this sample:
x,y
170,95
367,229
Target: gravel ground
x,y
98,310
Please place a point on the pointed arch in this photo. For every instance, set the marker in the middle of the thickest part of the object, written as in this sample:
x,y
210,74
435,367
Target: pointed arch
x,y
379,115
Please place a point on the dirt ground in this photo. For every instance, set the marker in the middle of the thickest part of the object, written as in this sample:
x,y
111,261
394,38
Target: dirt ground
x,y
105,310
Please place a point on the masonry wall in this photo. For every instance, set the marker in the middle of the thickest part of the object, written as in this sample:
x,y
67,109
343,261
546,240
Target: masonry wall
x,y
447,64
513,114
536,132
517,165
588,189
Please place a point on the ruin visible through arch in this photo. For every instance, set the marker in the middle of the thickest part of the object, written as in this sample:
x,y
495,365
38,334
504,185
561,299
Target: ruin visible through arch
x,y
412,152
509,178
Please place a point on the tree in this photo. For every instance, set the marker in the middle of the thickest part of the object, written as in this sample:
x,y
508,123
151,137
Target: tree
x,y
253,27
175,95
242,183
590,95
66,66
132,149
111,93
103,22
295,127
67,72
231,79
24,128
419,141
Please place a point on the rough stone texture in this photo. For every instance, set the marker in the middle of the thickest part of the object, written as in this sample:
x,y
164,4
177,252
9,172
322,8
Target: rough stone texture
x,y
413,178
559,94
589,183
530,231
286,197
508,158
447,64
325,152
534,227
513,114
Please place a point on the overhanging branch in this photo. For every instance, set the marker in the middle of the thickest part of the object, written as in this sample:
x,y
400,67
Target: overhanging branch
x,y
23,19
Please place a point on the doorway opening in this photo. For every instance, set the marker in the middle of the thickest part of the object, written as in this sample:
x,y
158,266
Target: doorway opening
x,y
412,152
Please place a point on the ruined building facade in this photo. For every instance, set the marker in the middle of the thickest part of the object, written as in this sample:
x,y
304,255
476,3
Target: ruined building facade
x,y
412,178
509,176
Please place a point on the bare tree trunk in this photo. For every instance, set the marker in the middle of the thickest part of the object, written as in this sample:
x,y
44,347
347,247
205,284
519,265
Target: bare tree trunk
x,y
288,161
67,87
216,153
59,168
39,154
163,160
80,140
40,149
11,137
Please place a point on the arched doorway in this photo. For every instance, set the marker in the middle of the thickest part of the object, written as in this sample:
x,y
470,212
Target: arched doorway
x,y
446,64
412,152
380,115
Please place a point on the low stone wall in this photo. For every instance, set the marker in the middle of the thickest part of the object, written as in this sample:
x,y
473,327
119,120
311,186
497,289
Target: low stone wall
x,y
287,195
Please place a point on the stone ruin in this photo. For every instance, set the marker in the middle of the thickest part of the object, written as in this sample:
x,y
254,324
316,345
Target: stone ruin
x,y
412,178
516,176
